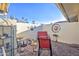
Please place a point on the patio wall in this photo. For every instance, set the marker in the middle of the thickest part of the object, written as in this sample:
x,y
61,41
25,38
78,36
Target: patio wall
x,y
69,32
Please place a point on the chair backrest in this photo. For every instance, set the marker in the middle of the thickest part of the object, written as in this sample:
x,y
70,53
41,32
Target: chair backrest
x,y
44,41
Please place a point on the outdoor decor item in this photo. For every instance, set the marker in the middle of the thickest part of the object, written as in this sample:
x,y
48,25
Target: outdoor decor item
x,y
56,28
44,42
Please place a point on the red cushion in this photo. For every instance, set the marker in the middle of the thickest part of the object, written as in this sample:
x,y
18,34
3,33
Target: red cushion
x,y
44,43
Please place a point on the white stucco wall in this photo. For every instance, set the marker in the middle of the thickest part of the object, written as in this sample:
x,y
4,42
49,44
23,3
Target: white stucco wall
x,y
30,34
69,32
21,27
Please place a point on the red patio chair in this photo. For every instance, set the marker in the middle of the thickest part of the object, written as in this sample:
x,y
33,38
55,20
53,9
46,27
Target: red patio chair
x,y
44,42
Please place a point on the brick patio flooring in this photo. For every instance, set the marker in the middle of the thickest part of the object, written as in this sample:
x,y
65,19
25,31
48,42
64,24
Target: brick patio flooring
x,y
58,49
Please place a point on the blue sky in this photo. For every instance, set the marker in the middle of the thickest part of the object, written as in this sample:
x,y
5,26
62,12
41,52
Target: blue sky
x,y
39,12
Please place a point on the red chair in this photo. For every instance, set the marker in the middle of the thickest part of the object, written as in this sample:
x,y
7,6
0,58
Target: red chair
x,y
42,33
44,41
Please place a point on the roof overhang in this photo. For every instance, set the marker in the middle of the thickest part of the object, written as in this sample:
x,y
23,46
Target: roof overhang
x,y
69,10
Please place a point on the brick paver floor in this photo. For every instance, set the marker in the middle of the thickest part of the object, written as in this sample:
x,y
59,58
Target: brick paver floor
x,y
58,49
